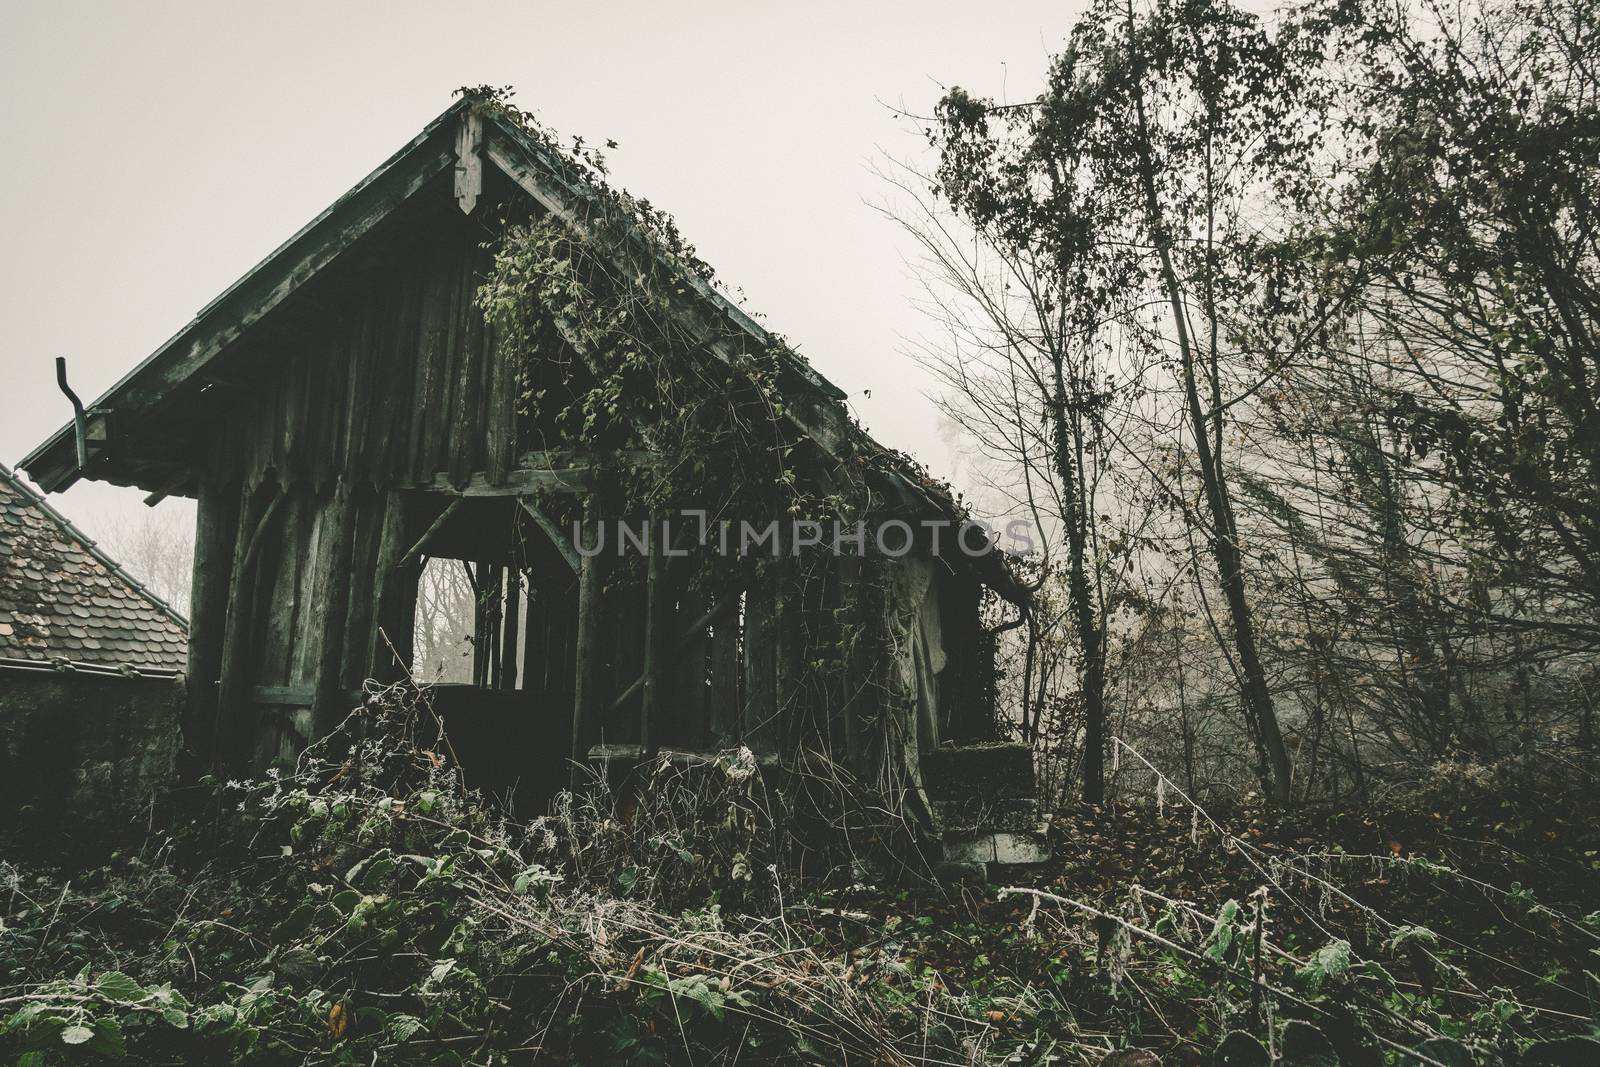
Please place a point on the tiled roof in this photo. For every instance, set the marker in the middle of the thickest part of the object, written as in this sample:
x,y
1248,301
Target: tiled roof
x,y
65,602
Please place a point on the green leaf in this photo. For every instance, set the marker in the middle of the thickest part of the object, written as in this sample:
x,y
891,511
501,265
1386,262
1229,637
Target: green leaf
x,y
118,986
1223,930
76,1035
107,1040
1329,963
216,1015
1408,935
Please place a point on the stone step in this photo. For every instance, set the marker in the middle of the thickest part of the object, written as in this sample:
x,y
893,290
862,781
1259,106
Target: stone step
x,y
1000,770
1006,848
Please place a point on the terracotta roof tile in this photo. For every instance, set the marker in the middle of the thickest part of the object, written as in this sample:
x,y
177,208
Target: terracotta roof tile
x,y
62,598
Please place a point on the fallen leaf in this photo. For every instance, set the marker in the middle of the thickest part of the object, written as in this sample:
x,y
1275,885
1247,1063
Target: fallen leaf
x,y
338,1020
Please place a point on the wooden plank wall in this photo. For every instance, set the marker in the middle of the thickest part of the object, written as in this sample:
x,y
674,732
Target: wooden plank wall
x,y
390,377
382,379
379,378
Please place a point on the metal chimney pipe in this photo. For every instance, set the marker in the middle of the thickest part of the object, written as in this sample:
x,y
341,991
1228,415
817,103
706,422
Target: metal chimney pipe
x,y
80,429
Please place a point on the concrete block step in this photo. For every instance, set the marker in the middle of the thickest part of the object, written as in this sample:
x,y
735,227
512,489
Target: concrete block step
x,y
1007,848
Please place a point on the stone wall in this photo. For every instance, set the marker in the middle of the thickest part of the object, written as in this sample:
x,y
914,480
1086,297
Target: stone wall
x,y
81,752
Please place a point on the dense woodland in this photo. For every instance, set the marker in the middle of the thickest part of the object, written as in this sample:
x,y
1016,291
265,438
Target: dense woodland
x,y
1285,329
1282,329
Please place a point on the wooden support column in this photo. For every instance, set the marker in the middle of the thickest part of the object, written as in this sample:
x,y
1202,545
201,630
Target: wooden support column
x,y
510,620
215,535
326,620
534,640
787,661
723,716
863,615
234,722
394,595
658,603
688,687
587,700
760,726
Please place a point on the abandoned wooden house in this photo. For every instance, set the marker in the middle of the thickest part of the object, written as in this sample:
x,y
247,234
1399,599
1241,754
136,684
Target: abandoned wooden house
x,y
449,367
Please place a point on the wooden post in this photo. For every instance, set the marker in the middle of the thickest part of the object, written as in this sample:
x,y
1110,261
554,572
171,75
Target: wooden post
x,y
788,637
725,668
326,624
510,619
759,728
231,734
535,645
688,658
394,595
862,616
657,604
216,532
586,702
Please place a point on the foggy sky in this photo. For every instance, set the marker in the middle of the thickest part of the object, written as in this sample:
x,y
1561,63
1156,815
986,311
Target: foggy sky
x,y
157,151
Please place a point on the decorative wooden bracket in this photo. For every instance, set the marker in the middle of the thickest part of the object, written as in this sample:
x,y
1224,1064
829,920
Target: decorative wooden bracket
x,y
469,160
552,531
422,542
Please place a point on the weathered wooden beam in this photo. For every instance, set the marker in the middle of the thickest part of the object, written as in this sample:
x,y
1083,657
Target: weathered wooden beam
x,y
760,718
515,483
510,621
216,533
591,592
394,596
536,472
469,160
168,487
232,730
658,603
297,696
415,551
325,624
293,696
552,531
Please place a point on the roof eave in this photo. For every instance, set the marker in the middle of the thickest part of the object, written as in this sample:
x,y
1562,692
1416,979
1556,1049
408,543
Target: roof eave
x,y
52,465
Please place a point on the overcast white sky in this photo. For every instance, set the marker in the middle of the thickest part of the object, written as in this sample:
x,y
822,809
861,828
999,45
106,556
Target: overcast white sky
x,y
156,151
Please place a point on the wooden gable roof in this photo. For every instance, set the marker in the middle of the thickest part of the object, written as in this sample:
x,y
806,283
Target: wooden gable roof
x,y
458,141
456,148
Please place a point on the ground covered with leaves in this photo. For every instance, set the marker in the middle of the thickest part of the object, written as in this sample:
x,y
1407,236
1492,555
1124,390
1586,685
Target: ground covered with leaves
x,y
365,908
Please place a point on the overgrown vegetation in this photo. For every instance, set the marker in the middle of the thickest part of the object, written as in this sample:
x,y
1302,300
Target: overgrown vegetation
x,y
367,906
1283,331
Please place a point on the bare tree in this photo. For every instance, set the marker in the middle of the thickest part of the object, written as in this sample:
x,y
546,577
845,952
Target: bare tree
x,y
156,546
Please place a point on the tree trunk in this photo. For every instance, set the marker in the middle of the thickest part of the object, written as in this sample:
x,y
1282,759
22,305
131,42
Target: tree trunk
x,y
1260,715
1091,636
